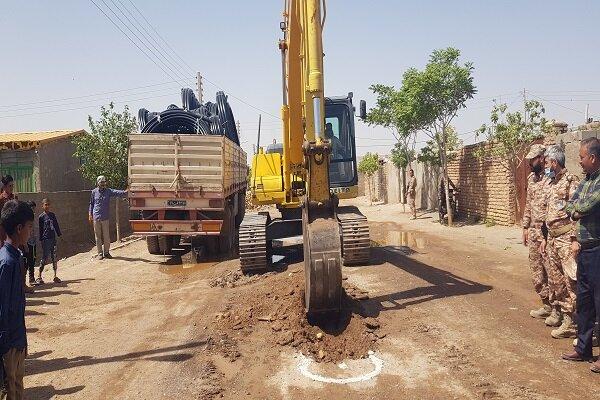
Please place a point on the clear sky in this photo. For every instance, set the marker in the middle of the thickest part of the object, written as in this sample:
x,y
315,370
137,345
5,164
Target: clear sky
x,y
62,50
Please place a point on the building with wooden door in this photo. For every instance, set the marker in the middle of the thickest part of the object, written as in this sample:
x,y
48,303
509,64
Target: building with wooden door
x,y
42,161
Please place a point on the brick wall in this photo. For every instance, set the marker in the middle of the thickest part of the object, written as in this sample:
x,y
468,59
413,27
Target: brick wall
x,y
484,189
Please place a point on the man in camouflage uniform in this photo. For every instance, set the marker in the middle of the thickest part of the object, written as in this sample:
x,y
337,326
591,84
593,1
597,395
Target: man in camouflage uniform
x,y
562,268
411,193
533,220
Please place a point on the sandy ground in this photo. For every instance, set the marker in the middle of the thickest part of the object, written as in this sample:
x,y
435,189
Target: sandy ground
x,y
451,306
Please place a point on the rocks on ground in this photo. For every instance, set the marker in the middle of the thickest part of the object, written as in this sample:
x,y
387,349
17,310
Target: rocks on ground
x,y
269,311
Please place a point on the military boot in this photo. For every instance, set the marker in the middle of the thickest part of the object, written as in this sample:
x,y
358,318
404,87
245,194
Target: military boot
x,y
555,317
541,313
568,329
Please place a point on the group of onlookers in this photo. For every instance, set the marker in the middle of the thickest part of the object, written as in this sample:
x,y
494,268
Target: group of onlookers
x,y
561,227
19,238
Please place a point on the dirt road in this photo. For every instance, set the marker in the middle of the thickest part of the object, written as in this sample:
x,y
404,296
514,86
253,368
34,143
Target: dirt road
x,y
444,312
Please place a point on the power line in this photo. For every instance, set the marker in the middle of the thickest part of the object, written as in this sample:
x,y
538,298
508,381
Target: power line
x,y
556,104
168,59
152,39
91,95
168,66
136,36
96,101
81,108
131,40
160,36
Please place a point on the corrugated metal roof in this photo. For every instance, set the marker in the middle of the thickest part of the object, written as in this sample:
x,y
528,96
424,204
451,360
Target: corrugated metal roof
x,y
28,140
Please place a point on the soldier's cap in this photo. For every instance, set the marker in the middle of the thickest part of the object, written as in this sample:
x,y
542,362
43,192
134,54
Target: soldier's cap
x,y
536,150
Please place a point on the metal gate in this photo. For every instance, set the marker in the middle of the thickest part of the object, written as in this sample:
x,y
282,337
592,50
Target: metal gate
x,y
23,176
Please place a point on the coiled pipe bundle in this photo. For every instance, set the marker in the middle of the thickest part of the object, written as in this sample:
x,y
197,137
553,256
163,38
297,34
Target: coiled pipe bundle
x,y
193,118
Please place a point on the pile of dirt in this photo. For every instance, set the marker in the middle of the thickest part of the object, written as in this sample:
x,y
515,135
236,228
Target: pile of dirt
x,y
272,311
253,208
236,278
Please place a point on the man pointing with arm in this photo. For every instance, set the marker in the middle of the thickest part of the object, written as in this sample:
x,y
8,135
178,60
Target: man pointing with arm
x,y
99,214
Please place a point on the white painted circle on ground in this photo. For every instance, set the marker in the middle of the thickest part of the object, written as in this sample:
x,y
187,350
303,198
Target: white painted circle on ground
x,y
305,363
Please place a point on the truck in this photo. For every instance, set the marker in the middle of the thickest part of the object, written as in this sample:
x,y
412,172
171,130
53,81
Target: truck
x,y
186,186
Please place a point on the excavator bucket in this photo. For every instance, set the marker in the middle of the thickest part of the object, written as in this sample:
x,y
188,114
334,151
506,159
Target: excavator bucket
x,y
322,261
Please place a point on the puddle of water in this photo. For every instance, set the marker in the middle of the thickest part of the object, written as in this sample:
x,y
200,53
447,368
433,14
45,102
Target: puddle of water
x,y
185,268
409,239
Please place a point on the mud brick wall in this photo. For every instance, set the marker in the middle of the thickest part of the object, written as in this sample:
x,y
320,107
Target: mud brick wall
x,y
484,189
71,209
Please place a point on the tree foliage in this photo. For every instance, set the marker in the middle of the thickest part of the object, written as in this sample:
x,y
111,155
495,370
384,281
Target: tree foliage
x,y
427,102
369,165
103,151
401,155
511,133
430,153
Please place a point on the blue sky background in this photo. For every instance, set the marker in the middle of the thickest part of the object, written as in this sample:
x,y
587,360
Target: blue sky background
x,y
67,48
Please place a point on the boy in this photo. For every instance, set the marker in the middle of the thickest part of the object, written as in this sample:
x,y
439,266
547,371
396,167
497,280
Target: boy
x,y
17,220
49,230
30,248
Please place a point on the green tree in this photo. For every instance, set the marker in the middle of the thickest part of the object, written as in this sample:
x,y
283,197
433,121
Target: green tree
x,y
429,100
430,153
103,151
510,134
369,165
385,114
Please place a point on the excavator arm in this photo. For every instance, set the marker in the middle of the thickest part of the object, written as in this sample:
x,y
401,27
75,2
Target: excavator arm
x,y
304,123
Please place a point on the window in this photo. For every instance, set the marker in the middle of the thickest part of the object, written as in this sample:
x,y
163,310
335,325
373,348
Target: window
x,y
338,130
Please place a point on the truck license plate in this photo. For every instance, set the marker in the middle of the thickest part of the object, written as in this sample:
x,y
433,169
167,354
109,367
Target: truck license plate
x,y
176,203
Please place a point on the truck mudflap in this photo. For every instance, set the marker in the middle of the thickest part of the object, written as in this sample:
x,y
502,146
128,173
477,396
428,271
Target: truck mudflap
x,y
176,227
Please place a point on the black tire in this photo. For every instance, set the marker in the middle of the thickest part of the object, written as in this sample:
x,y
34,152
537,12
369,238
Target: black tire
x,y
165,244
152,243
228,236
241,211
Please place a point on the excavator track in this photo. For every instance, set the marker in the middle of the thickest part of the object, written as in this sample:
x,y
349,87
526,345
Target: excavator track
x,y
253,246
356,239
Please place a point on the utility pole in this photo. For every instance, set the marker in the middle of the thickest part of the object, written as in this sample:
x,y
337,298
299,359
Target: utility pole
x,y
587,113
199,86
525,105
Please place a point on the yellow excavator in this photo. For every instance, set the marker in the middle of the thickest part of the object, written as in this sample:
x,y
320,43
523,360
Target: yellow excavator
x,y
307,174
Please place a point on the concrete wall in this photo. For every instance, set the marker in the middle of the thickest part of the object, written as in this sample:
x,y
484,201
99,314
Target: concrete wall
x,y
58,168
71,209
389,185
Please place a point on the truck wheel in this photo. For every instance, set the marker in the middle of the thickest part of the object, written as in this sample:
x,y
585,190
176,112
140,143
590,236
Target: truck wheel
x,y
152,243
165,244
228,235
241,211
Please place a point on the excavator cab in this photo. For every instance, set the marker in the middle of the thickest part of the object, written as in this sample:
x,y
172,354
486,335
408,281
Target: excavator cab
x,y
339,130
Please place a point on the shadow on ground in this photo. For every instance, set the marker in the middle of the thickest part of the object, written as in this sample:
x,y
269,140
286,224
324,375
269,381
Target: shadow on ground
x,y
37,365
442,284
48,392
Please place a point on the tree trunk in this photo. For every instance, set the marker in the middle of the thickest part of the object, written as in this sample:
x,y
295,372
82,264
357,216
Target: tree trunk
x,y
513,182
117,220
446,180
370,194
